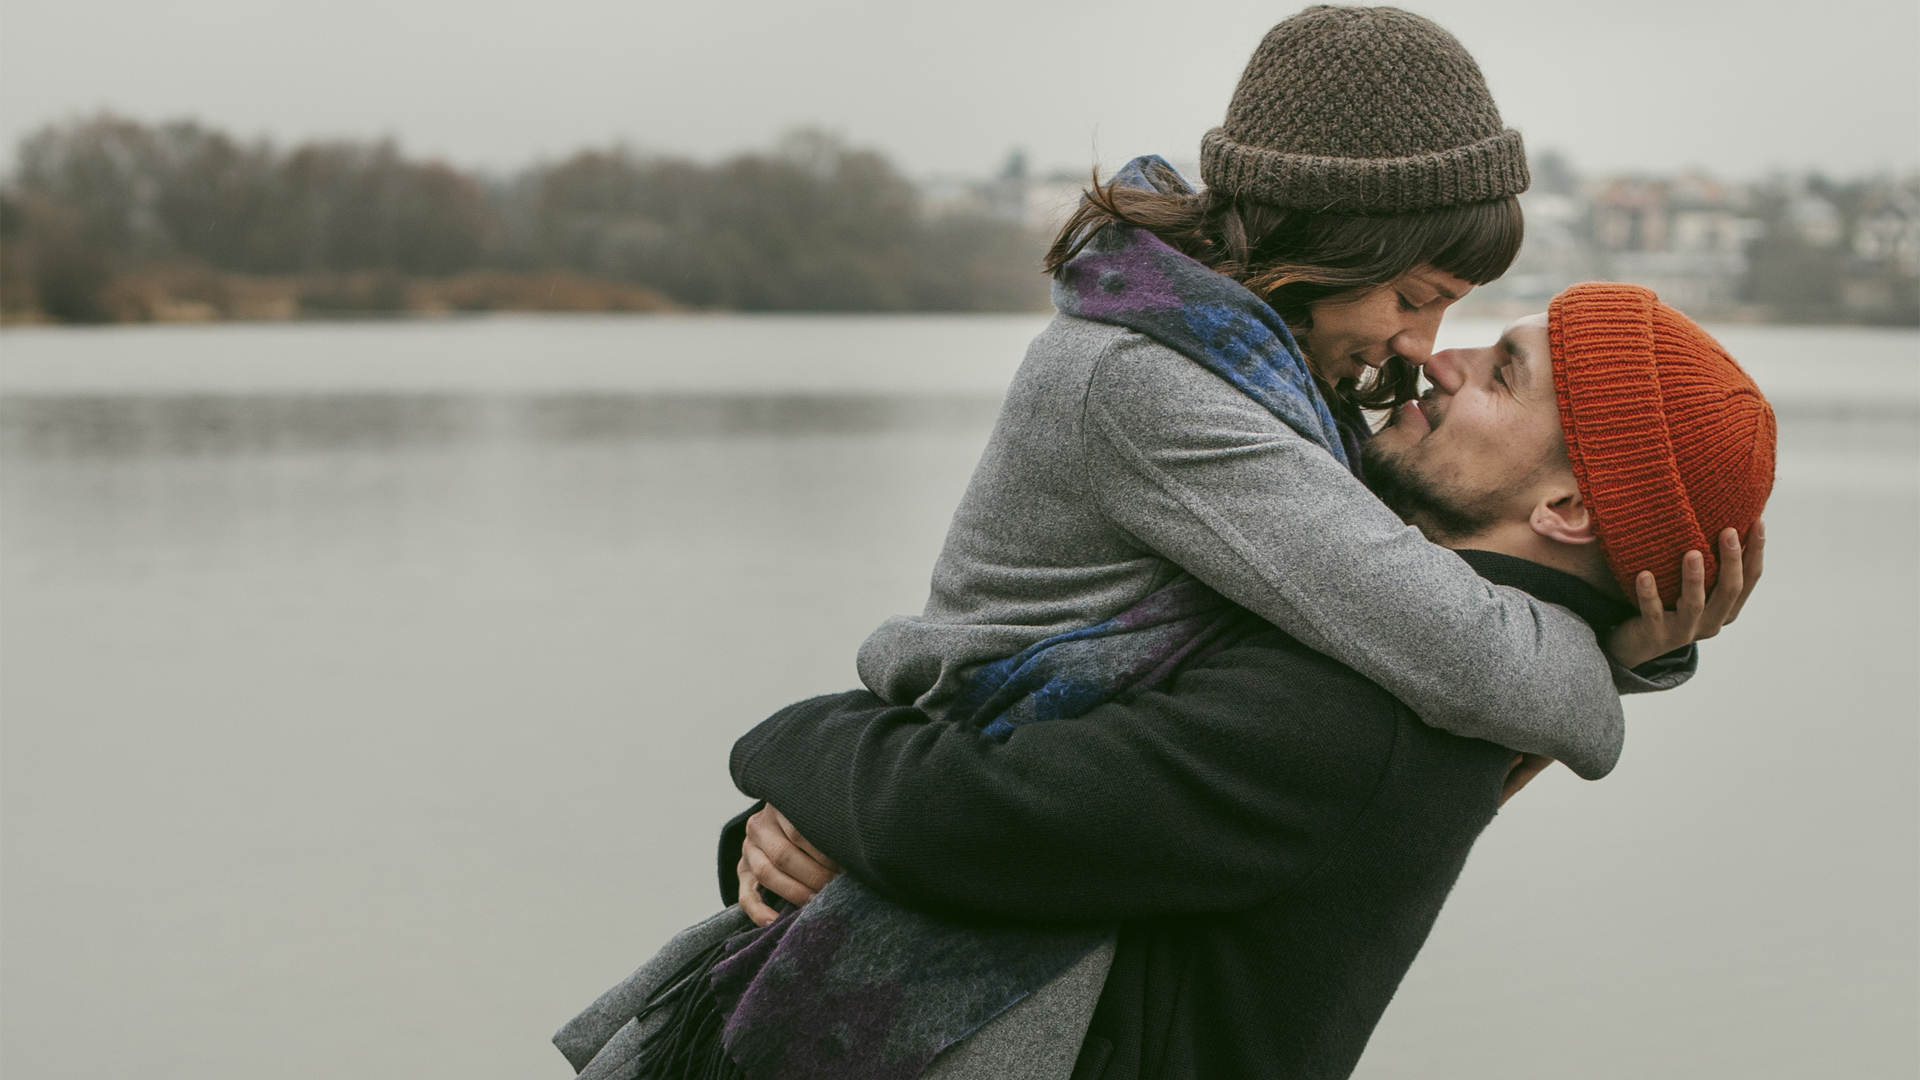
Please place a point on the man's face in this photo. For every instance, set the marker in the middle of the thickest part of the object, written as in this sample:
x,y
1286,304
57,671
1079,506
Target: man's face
x,y
1466,455
1353,333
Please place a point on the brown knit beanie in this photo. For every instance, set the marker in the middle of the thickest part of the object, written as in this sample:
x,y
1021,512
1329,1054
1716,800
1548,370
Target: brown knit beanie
x,y
1669,439
1363,110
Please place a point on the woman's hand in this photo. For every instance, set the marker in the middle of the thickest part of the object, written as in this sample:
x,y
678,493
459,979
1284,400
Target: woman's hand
x,y
1519,774
1657,631
776,857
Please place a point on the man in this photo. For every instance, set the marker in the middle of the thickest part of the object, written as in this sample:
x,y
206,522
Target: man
x,y
1273,834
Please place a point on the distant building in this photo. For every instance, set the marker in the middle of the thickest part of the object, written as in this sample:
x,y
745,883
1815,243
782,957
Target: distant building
x,y
1888,230
1816,220
1040,203
1005,196
1794,249
1797,249
1684,237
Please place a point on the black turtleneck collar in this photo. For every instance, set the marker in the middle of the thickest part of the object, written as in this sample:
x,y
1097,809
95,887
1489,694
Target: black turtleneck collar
x,y
1602,612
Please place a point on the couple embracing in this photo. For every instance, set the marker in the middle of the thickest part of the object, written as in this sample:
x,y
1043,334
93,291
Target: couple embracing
x,y
1217,685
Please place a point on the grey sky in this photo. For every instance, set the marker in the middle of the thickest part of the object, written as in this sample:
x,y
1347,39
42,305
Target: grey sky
x,y
1736,87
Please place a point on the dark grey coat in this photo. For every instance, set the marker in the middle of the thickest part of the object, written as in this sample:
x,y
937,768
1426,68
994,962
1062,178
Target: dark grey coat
x,y
1276,833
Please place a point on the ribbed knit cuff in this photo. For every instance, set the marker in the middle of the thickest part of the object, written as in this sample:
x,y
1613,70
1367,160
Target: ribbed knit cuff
x,y
1617,439
1490,169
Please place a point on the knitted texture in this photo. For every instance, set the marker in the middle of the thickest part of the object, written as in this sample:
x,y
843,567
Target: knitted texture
x,y
1670,440
1357,110
853,986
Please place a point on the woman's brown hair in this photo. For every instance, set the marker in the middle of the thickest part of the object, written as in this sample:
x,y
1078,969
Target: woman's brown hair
x,y
1293,258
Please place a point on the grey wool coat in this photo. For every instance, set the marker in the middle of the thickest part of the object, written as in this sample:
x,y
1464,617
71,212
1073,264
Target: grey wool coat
x,y
1117,463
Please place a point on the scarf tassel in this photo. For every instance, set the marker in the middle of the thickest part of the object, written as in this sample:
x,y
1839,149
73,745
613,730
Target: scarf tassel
x,y
687,1045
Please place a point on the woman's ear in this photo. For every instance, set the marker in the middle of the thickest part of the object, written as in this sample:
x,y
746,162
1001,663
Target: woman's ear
x,y
1561,516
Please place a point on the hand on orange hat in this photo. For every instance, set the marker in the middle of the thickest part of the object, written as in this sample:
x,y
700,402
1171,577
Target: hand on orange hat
x,y
1657,631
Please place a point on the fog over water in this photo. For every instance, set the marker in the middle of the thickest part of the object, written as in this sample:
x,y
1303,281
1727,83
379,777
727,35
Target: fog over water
x,y
368,688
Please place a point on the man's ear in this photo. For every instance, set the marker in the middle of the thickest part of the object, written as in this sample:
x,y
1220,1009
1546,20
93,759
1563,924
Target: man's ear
x,y
1561,515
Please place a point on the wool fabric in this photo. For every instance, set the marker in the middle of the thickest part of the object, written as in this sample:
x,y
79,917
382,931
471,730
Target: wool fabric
x,y
841,989
1305,829
1363,110
1670,440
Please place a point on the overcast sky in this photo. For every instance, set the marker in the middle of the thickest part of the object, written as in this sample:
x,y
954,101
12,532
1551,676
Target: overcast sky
x,y
1735,86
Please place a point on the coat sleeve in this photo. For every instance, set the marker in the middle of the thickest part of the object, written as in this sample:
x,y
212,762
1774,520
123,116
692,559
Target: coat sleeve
x,y
1202,475
1212,799
1660,673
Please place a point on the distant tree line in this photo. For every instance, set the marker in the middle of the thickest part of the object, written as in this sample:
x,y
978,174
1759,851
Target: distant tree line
x,y
104,214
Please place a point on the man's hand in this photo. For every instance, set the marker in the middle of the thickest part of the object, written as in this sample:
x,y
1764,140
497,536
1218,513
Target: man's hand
x,y
1524,768
1657,631
775,856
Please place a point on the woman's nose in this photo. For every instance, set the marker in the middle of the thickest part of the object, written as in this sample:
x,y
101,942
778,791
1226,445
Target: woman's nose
x,y
1414,344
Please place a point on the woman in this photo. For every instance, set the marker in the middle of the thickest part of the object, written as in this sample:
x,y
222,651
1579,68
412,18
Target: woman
x,y
1172,469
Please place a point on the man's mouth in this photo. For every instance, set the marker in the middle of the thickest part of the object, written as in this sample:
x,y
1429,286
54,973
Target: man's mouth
x,y
1419,411
1429,406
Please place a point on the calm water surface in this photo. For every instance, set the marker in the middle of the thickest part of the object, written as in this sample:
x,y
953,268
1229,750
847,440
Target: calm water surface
x,y
367,694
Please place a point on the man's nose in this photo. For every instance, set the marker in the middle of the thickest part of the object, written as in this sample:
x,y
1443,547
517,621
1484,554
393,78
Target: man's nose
x,y
1447,370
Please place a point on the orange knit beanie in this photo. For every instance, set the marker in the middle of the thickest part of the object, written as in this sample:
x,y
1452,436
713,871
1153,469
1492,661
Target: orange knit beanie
x,y
1670,440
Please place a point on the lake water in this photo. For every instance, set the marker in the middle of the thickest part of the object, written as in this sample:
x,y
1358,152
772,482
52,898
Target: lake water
x,y
368,690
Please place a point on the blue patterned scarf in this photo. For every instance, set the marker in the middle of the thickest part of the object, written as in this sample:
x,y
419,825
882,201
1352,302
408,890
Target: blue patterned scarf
x,y
855,987
1133,279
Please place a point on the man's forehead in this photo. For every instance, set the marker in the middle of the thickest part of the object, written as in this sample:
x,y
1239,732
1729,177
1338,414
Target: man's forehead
x,y
1537,320
1523,335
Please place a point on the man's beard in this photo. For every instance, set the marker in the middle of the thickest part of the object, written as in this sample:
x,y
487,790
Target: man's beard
x,y
1419,502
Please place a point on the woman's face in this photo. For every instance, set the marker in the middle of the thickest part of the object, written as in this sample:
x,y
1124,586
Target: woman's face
x,y
1361,330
